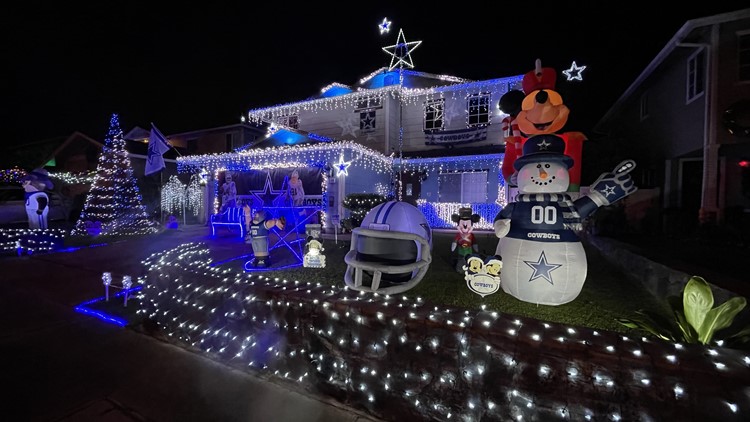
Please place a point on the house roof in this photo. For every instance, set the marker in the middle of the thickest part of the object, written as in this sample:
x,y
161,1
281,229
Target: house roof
x,y
378,84
680,36
38,153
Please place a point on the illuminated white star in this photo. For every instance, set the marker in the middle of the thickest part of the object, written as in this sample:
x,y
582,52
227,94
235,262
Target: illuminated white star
x,y
401,52
574,72
342,167
385,26
348,127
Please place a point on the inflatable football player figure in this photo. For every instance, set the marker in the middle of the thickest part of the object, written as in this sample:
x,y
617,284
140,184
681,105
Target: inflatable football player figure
x,y
257,236
543,259
464,240
37,201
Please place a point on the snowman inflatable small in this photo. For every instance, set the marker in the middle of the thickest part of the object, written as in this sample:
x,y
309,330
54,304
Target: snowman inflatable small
x,y
544,261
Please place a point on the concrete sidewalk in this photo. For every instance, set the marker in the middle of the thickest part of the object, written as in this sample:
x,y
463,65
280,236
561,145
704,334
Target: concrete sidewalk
x,y
61,365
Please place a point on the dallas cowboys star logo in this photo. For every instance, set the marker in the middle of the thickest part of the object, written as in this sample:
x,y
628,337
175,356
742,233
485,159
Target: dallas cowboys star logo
x,y
401,52
574,72
267,194
542,268
342,167
385,26
543,145
347,127
608,190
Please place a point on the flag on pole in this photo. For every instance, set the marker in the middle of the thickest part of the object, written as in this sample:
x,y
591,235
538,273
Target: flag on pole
x,y
157,146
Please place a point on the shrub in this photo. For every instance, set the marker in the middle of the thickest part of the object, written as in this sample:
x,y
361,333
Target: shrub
x,y
359,204
696,319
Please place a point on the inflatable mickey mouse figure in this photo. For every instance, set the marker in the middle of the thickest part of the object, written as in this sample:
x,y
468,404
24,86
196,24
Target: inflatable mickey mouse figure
x,y
544,261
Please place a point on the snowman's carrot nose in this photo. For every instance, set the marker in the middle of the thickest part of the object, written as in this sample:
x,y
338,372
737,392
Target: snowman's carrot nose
x,y
542,173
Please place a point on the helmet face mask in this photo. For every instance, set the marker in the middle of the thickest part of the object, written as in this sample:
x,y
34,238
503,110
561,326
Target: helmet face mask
x,y
391,251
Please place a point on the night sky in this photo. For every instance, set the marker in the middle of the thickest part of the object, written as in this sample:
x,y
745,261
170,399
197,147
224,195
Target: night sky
x,y
188,68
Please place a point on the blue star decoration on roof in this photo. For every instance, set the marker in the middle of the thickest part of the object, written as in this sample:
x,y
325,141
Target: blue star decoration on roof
x,y
574,73
542,268
401,52
342,167
385,26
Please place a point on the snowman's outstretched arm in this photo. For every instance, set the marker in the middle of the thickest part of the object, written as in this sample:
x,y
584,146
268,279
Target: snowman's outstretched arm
x,y
608,189
502,221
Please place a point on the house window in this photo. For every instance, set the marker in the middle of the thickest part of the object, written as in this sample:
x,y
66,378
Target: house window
x,y
696,75
367,121
290,121
478,109
644,106
433,114
743,50
369,103
468,187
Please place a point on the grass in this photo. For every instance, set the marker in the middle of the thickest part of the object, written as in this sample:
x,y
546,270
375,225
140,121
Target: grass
x,y
606,295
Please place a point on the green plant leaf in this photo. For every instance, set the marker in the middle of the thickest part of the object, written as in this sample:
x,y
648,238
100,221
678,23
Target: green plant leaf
x,y
645,326
720,317
689,335
697,300
740,337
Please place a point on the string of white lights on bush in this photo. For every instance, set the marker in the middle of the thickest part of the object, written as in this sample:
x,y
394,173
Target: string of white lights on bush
x,y
374,351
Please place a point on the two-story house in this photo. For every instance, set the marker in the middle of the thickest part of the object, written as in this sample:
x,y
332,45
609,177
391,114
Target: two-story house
x,y
433,140
686,121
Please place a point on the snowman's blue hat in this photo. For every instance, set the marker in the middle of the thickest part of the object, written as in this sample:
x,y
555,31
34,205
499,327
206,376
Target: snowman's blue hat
x,y
547,148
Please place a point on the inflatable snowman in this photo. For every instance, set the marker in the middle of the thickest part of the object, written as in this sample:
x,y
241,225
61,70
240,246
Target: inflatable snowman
x,y
543,259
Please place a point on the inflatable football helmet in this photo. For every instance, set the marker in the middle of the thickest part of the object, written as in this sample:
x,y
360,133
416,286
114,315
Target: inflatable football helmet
x,y
390,251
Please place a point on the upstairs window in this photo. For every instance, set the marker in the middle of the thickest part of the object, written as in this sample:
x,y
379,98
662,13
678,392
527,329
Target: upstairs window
x,y
433,115
290,121
478,109
696,75
367,121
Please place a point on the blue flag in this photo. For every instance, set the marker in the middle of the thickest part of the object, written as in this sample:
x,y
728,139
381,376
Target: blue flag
x,y
157,146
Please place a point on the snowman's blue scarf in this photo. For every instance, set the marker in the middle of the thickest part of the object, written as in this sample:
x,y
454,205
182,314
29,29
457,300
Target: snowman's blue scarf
x,y
571,218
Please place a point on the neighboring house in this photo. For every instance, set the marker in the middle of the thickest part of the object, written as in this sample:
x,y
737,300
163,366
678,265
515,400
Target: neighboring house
x,y
441,137
218,139
686,122
74,153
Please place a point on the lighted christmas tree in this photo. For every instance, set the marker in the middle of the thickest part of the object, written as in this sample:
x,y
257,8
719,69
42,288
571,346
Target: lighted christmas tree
x,y
114,205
